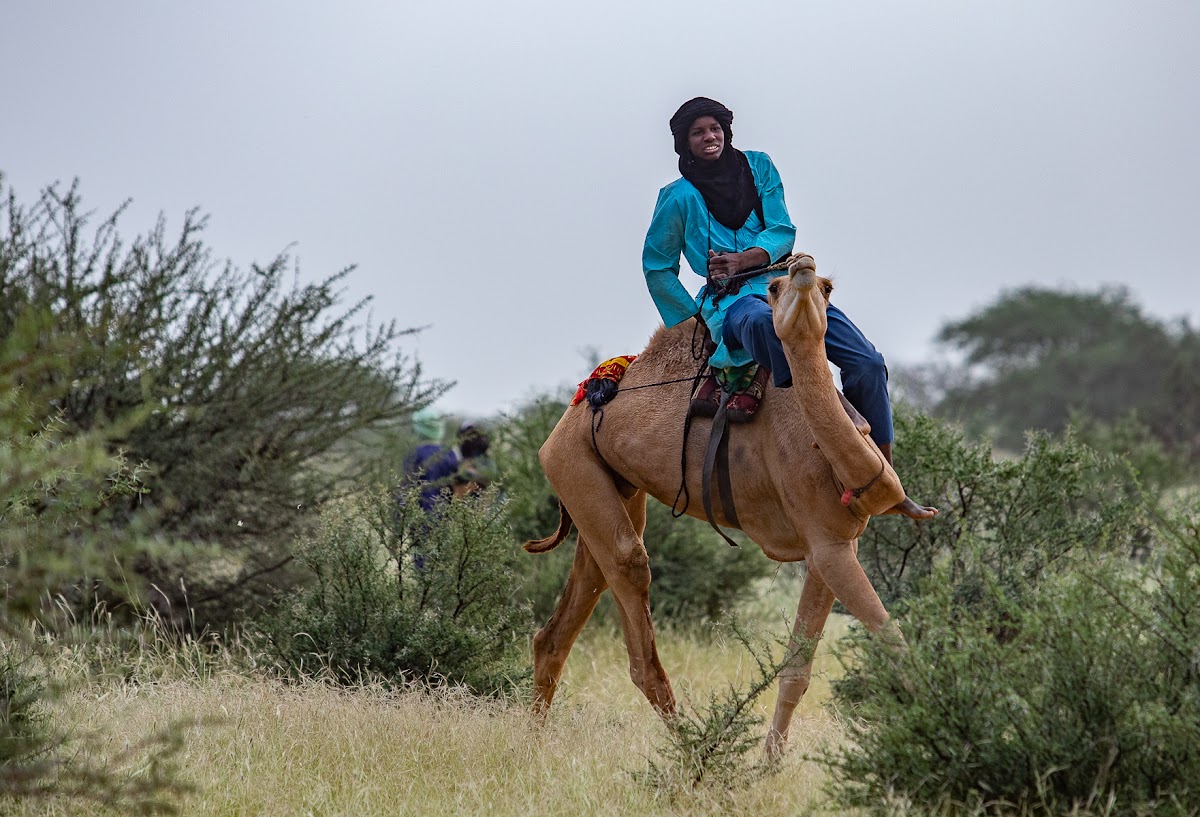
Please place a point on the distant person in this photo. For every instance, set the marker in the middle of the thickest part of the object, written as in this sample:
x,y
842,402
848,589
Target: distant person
x,y
443,472
446,471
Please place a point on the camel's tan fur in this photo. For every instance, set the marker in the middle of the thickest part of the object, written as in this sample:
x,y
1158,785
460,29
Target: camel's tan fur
x,y
788,468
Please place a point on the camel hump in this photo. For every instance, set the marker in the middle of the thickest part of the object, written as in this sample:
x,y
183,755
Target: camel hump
x,y
554,540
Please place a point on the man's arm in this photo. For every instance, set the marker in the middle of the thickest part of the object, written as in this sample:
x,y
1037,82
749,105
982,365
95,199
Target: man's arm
x,y
660,261
779,234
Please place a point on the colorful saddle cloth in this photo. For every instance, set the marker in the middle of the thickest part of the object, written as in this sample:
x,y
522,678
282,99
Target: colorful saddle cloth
x,y
610,371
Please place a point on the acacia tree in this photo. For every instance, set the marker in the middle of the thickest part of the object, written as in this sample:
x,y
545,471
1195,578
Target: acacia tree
x,y
54,487
248,388
1037,356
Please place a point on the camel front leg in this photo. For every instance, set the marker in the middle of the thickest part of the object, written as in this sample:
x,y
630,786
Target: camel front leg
x,y
552,644
816,600
838,566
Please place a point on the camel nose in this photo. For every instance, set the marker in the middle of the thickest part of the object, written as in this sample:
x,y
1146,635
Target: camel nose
x,y
802,264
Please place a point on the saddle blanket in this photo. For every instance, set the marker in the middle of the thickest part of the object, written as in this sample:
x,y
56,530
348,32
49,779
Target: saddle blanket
x,y
612,369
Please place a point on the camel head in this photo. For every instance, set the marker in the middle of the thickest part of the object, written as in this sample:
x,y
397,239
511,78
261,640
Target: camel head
x,y
799,300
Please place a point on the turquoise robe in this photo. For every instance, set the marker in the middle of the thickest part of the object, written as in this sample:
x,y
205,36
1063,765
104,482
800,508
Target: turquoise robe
x,y
682,224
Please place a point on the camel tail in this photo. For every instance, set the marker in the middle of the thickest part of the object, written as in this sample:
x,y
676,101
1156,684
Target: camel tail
x,y
553,541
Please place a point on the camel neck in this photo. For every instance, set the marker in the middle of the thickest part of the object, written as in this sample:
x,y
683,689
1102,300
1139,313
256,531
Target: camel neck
x,y
854,460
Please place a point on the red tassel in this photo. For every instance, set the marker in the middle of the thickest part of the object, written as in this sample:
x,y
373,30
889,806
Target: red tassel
x,y
846,497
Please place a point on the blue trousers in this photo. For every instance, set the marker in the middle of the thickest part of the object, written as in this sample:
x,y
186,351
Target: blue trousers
x,y
748,326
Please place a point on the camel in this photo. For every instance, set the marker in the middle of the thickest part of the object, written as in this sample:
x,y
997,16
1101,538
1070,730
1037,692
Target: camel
x,y
805,481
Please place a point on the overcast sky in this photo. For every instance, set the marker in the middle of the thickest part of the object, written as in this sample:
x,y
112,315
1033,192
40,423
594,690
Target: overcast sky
x,y
491,167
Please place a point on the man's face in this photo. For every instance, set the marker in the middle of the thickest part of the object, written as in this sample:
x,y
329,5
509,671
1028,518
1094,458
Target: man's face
x,y
706,139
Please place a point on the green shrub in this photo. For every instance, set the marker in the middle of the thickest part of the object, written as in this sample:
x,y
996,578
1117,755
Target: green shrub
x,y
531,504
1083,696
24,722
56,489
252,397
370,611
698,577
1018,517
719,743
56,484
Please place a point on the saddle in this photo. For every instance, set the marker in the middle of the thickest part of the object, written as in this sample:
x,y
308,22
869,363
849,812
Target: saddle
x,y
598,388
745,385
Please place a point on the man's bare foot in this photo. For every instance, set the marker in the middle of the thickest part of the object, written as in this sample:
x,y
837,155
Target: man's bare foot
x,y
912,510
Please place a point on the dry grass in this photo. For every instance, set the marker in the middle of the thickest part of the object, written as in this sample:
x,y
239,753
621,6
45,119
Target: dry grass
x,y
254,746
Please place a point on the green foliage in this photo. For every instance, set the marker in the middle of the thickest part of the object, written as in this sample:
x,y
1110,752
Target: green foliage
x,y
531,502
697,576
1045,672
371,612
1084,699
1157,468
710,743
1002,521
244,390
515,441
1037,355
24,722
56,486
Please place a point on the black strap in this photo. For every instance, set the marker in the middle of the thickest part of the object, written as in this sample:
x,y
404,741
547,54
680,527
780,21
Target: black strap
x,y
718,448
701,354
724,486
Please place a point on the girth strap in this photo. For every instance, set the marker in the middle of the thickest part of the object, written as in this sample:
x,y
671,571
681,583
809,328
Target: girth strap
x,y
717,456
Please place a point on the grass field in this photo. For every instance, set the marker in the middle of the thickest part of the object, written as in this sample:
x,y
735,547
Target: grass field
x,y
254,746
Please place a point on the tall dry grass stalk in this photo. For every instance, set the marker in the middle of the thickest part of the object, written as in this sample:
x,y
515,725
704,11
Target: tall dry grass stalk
x,y
261,747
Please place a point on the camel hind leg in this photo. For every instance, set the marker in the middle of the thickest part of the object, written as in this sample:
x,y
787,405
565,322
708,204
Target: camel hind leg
x,y
552,644
612,527
633,601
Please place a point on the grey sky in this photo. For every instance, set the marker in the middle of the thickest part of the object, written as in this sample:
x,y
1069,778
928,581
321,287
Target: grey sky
x,y
492,167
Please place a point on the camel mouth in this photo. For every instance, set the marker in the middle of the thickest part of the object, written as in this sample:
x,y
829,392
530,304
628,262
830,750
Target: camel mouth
x,y
803,279
802,263
800,282
803,271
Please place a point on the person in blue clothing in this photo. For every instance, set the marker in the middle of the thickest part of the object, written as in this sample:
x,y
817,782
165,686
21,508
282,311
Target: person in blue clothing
x,y
445,471
727,215
442,472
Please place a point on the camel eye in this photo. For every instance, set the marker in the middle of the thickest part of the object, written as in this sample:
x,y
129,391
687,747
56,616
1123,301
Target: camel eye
x,y
773,288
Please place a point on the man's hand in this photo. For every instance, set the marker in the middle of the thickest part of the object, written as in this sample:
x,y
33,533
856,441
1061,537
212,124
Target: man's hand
x,y
724,264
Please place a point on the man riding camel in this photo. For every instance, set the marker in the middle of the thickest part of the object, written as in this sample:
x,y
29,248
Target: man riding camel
x,y
728,217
